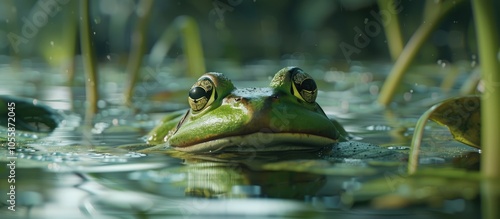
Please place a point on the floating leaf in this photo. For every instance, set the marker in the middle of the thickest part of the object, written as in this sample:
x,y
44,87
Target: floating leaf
x,y
462,116
320,167
431,186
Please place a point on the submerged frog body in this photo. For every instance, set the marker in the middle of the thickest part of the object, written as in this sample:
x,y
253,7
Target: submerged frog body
x,y
283,116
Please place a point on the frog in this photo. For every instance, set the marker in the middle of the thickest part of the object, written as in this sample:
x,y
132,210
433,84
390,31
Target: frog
x,y
281,117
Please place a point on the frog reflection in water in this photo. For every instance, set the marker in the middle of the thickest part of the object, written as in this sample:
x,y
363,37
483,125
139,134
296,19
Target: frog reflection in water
x,y
281,117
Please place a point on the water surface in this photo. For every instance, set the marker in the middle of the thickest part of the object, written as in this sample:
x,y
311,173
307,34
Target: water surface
x,y
79,172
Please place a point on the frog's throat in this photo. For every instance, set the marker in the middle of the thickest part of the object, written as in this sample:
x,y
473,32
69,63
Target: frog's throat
x,y
259,142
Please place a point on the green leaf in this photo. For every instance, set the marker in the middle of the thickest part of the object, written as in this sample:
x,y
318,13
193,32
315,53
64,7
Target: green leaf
x,y
462,116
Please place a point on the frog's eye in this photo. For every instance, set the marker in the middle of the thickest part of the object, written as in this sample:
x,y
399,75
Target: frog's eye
x,y
303,86
202,94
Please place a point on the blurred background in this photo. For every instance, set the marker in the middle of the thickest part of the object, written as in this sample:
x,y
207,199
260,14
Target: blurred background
x,y
242,31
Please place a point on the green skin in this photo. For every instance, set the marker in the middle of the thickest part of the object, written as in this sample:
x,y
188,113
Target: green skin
x,y
250,119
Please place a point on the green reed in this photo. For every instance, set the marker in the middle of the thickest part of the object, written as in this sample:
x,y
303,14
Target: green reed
x,y
433,14
487,37
138,47
392,29
186,28
89,63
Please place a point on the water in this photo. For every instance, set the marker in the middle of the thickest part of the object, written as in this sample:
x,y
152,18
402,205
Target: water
x,y
75,172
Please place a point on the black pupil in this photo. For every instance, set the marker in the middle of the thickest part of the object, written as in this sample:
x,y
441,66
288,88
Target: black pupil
x,y
198,92
308,85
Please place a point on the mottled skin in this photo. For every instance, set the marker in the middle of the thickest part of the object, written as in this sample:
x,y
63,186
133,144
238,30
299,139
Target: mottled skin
x,y
283,116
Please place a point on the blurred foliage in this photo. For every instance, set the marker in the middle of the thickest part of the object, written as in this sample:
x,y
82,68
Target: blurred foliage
x,y
239,30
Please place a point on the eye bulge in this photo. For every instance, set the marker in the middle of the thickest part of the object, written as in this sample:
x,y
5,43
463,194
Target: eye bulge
x,y
202,94
303,86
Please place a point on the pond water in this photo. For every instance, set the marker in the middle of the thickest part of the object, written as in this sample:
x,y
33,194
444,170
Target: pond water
x,y
79,172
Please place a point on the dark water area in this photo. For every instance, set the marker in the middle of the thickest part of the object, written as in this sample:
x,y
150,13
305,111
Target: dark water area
x,y
79,172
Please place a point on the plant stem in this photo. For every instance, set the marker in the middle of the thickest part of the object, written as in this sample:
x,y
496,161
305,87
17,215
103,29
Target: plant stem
x,y
487,37
490,198
392,29
138,47
469,87
192,45
88,62
410,51
416,141
193,50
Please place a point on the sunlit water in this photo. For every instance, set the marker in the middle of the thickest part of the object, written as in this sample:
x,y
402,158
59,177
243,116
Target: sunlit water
x,y
76,172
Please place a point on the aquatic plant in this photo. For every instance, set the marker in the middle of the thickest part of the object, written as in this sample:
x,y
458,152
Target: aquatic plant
x,y
89,65
392,29
183,27
488,45
461,115
487,37
139,36
435,11
186,28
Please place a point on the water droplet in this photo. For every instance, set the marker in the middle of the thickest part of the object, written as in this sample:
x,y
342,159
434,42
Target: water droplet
x,y
407,96
398,148
374,89
378,128
442,63
101,104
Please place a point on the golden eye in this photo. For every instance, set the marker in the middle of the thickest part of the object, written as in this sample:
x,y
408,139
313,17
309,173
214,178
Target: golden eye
x,y
303,86
202,94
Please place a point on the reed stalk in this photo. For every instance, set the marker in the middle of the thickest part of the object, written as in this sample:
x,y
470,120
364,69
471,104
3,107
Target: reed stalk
x,y
138,47
431,20
192,46
487,37
490,199
89,65
416,140
186,28
392,29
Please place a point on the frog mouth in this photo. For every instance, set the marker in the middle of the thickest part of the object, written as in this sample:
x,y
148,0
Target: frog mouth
x,y
259,142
